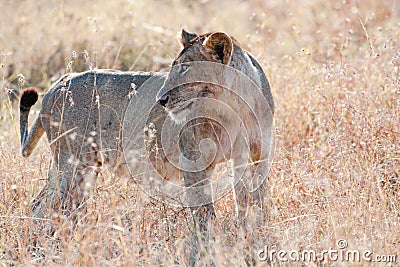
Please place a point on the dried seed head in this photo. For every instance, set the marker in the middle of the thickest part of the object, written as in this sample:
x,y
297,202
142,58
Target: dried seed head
x,y
21,79
69,66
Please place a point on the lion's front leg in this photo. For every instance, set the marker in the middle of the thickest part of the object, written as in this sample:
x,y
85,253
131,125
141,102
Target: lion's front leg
x,y
250,190
258,188
259,182
240,188
198,159
199,196
199,199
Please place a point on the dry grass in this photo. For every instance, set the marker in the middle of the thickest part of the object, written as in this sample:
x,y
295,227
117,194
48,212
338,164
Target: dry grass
x,y
334,67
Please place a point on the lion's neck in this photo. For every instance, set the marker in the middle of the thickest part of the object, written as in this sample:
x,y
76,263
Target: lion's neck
x,y
242,62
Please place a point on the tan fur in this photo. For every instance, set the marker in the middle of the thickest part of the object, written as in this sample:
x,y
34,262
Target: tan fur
x,y
184,100
82,116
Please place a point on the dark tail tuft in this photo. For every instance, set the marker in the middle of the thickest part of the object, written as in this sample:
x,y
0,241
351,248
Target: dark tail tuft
x,y
28,98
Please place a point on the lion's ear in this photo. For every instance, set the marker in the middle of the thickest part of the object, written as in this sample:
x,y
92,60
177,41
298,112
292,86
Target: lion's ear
x,y
186,37
220,45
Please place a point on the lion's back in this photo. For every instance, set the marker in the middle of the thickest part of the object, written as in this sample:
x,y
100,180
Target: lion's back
x,y
86,110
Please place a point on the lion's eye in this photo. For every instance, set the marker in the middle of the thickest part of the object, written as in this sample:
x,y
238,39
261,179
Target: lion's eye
x,y
204,93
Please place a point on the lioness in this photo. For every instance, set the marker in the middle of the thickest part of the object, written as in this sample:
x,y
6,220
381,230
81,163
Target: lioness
x,y
82,116
219,92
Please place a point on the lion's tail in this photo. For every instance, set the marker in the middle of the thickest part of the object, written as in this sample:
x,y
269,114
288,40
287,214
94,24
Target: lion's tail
x,y
28,141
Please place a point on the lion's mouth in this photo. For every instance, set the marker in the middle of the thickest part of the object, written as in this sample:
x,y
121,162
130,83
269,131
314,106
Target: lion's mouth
x,y
180,111
181,107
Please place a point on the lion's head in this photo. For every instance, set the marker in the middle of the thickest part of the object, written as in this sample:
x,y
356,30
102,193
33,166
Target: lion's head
x,y
178,99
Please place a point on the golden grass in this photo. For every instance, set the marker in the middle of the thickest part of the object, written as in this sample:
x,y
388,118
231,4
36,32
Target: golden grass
x,y
334,68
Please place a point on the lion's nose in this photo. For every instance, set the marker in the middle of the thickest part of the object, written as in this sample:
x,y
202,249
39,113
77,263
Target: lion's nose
x,y
163,100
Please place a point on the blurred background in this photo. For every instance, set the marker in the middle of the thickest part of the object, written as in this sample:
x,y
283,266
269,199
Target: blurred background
x,y
41,39
334,69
